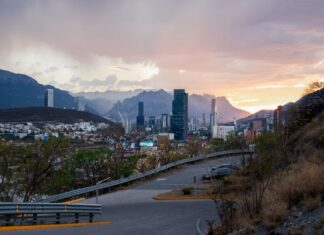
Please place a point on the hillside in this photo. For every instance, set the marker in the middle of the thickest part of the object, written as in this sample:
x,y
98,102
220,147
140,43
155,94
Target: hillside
x,y
18,90
158,102
301,112
281,189
259,114
45,114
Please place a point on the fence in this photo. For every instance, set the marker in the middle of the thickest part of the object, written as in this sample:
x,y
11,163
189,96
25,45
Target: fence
x,y
130,179
21,213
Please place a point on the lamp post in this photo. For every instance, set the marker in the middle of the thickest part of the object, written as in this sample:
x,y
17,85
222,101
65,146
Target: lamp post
x,y
97,190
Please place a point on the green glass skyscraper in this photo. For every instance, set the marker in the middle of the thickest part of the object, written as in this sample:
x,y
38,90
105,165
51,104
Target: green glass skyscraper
x,y
179,120
140,117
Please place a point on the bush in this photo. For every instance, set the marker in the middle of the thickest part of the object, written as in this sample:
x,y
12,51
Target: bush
x,y
187,191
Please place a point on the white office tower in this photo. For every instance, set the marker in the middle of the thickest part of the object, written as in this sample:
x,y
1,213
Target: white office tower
x,y
127,126
221,132
213,115
81,105
49,98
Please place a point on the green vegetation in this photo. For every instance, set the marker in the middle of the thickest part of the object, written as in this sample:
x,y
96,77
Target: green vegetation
x,y
233,141
29,171
26,168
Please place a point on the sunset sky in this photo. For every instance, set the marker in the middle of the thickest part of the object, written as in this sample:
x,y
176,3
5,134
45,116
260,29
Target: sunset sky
x,y
258,53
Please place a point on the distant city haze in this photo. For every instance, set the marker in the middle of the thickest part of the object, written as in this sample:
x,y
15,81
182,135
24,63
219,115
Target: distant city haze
x,y
257,53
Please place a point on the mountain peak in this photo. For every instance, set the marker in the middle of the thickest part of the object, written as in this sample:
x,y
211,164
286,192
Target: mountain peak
x,y
15,78
160,101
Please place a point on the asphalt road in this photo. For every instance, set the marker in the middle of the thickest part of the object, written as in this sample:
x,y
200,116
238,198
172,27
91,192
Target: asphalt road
x,y
134,211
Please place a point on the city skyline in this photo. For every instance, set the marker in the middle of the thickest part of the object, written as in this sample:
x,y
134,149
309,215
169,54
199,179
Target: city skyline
x,y
259,54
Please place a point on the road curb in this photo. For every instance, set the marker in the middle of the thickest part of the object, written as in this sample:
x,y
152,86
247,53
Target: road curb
x,y
182,198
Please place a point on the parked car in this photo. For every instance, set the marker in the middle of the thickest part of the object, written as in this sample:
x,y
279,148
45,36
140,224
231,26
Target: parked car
x,y
221,171
234,167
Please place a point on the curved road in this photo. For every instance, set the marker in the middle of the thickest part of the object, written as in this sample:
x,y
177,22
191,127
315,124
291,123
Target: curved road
x,y
133,211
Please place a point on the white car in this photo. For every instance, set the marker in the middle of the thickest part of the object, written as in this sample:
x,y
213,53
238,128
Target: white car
x,y
221,171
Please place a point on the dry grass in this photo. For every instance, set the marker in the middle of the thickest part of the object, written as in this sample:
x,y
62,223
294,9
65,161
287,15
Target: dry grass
x,y
274,211
304,180
244,223
313,202
303,183
319,226
294,231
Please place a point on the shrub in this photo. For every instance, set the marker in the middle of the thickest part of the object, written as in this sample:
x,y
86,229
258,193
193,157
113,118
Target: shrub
x,y
187,191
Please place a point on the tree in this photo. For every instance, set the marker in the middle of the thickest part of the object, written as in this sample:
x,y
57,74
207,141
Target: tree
x,y
315,86
8,165
36,163
271,155
114,133
92,165
233,141
217,144
193,148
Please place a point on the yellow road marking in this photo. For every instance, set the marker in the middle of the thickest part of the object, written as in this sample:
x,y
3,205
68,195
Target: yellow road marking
x,y
42,226
75,200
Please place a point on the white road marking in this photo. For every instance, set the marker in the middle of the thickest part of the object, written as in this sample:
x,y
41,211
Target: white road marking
x,y
161,179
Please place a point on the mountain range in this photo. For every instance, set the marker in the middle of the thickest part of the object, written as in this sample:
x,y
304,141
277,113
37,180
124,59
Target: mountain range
x,y
158,102
19,90
104,101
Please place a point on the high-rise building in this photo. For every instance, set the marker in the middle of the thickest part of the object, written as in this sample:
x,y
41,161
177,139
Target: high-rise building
x,y
193,124
165,121
179,120
278,118
213,113
140,117
81,105
152,122
127,124
213,116
204,120
49,98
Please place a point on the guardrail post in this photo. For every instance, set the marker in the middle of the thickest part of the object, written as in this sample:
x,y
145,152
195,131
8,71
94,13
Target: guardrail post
x,y
58,218
34,218
76,217
90,217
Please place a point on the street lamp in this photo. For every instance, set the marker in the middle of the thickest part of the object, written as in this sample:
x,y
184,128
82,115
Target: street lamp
x,y
97,190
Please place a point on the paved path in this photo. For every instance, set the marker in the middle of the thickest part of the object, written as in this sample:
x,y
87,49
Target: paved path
x,y
133,211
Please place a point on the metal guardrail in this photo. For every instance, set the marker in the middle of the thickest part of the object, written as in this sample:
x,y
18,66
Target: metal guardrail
x,y
20,213
127,180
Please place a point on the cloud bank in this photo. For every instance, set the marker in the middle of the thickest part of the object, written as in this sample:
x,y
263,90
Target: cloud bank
x,y
257,50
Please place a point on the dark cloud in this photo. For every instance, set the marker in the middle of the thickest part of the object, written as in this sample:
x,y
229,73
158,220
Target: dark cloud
x,y
222,46
277,31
